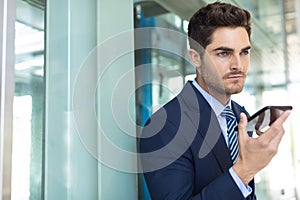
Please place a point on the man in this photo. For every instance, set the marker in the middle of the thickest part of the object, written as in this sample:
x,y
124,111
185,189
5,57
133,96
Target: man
x,y
188,151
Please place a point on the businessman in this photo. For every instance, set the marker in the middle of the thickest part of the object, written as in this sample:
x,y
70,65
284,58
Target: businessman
x,y
190,148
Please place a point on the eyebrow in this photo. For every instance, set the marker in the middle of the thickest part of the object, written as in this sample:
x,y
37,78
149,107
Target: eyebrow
x,y
230,49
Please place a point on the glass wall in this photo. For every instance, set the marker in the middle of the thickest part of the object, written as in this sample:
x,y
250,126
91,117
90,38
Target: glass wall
x,y
28,107
7,32
62,112
86,57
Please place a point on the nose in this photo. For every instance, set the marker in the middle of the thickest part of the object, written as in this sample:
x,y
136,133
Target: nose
x,y
236,62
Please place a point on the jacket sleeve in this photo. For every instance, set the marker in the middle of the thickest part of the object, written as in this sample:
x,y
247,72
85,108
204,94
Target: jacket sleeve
x,y
176,181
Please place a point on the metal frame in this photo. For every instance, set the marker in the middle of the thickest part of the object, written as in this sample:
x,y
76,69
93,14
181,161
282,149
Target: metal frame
x,y
7,54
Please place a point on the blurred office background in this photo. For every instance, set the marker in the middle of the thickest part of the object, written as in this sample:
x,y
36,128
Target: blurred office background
x,y
48,49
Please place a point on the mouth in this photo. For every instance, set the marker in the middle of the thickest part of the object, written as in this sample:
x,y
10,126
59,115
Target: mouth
x,y
234,77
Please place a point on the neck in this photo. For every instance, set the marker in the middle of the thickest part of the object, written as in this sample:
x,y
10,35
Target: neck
x,y
222,97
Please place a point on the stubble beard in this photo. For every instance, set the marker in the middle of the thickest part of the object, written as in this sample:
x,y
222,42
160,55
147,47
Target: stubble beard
x,y
215,84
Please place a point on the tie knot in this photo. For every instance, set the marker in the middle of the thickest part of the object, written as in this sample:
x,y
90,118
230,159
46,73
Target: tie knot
x,y
228,113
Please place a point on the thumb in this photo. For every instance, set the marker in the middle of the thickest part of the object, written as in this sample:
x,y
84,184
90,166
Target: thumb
x,y
242,126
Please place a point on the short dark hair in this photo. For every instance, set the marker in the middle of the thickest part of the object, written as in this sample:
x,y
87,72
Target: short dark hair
x,y
212,16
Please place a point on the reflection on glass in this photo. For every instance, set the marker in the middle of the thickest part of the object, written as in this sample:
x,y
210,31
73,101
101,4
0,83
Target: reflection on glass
x,y
27,156
21,143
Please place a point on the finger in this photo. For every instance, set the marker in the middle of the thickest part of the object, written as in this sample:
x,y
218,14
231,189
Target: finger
x,y
280,120
279,128
242,126
258,132
259,121
276,128
277,139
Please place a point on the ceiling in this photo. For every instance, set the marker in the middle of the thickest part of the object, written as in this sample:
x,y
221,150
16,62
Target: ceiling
x,y
37,3
184,10
29,39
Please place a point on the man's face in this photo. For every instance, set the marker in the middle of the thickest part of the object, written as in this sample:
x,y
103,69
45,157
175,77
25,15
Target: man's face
x,y
225,64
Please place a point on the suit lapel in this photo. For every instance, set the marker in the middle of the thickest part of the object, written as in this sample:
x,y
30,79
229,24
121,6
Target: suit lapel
x,y
203,117
221,151
214,139
237,110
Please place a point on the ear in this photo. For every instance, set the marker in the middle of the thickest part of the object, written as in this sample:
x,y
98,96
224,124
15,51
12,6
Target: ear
x,y
195,58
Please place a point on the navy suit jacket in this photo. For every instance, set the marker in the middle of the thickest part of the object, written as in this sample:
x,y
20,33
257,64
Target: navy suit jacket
x,y
183,153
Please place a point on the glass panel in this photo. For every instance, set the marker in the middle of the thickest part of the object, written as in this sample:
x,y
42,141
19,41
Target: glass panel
x,y
27,157
80,97
7,37
163,69
169,69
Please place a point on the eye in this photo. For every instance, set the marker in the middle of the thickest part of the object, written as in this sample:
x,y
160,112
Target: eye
x,y
246,52
223,54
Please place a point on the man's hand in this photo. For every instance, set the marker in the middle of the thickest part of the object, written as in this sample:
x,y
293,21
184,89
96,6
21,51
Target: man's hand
x,y
256,153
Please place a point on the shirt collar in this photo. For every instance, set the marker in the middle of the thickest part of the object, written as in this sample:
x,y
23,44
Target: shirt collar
x,y
213,102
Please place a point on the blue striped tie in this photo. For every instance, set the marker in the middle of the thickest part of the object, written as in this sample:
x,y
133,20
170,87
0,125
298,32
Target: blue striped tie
x,y
232,134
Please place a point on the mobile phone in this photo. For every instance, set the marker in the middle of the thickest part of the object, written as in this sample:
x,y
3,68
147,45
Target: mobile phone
x,y
262,119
